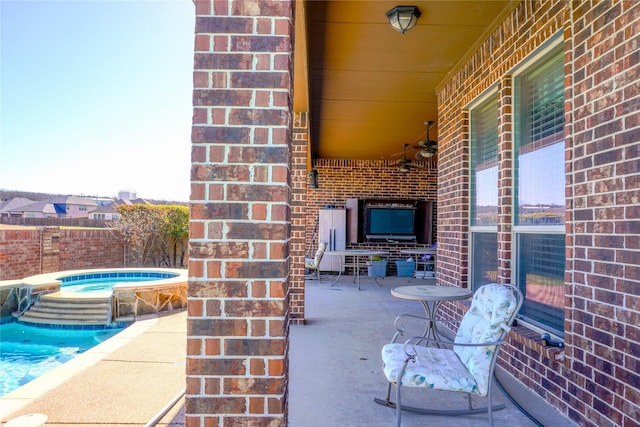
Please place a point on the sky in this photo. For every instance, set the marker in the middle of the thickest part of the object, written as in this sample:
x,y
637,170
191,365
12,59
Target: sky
x,y
95,97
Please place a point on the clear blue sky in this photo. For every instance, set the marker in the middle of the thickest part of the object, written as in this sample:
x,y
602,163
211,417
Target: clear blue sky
x,y
96,97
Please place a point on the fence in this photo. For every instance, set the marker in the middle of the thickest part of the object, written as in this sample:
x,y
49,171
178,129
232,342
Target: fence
x,y
55,222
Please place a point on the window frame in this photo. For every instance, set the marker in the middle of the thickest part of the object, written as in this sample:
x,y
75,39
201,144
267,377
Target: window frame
x,y
483,101
546,53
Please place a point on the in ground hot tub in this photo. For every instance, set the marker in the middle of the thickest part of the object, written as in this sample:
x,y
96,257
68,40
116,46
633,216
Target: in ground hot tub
x,y
132,291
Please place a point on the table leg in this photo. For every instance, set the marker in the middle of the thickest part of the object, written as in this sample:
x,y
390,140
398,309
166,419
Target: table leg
x,y
431,328
414,275
417,269
375,279
339,272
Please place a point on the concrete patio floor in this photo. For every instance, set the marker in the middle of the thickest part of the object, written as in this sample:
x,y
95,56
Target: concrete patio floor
x,y
335,371
336,368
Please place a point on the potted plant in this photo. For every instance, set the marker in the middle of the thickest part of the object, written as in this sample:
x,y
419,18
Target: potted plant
x,y
376,266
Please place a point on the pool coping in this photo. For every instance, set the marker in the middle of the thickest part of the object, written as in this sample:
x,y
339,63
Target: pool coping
x,y
49,278
22,396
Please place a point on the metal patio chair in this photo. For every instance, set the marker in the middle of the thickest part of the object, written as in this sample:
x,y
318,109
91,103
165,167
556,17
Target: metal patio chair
x,y
465,364
313,264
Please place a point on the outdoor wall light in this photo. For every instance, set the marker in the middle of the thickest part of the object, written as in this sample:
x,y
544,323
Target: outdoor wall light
x,y
313,177
403,18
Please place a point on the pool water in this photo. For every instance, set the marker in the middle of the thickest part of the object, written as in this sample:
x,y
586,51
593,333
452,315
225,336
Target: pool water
x,y
99,285
26,352
99,282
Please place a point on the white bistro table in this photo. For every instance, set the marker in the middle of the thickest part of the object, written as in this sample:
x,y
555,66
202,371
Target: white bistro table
x,y
431,296
356,254
418,253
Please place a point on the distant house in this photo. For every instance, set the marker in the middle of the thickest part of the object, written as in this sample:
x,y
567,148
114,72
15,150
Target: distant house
x,y
12,208
106,212
59,207
110,212
43,209
73,206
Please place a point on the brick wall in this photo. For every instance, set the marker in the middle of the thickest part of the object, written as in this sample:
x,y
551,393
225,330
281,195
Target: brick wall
x,y
19,253
240,248
594,379
90,248
27,252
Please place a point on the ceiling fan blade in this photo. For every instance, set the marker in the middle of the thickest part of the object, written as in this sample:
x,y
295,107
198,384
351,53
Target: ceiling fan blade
x,y
424,144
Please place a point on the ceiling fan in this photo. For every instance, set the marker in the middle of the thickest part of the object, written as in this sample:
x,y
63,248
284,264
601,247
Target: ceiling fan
x,y
404,164
427,147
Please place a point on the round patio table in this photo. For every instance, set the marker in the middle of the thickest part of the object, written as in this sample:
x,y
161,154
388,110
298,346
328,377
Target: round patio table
x,y
431,296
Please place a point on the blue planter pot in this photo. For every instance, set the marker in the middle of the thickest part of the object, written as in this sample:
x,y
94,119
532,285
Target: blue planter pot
x,y
405,268
377,268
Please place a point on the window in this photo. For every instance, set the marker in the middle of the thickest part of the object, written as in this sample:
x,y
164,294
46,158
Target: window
x,y
483,184
484,258
484,163
539,204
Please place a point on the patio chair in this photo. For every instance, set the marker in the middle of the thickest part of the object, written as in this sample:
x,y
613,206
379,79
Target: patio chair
x,y
313,264
465,364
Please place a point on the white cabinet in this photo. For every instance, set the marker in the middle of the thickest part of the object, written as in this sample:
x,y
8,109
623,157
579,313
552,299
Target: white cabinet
x,y
332,228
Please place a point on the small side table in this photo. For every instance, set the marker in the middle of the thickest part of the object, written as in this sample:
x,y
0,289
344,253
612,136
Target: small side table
x,y
418,253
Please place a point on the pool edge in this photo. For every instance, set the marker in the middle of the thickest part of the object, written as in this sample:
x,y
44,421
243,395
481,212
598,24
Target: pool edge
x,y
22,396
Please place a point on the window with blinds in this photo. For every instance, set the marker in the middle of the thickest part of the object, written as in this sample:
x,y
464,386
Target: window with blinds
x,y
541,274
484,261
539,143
542,104
484,163
539,204
483,182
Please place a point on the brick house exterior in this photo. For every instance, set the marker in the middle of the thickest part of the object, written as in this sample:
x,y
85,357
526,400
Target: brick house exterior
x,y
595,379
252,211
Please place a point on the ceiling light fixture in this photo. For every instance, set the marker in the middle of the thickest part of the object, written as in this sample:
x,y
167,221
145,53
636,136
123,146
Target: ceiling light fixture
x,y
403,18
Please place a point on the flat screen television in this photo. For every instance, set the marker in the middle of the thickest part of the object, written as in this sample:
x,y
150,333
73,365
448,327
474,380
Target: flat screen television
x,y
390,223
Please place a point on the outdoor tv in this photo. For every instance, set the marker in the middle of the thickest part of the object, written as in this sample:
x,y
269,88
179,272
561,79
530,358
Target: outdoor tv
x,y
390,223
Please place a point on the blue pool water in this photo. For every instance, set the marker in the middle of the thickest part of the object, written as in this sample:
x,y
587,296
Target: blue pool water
x,y
98,282
27,352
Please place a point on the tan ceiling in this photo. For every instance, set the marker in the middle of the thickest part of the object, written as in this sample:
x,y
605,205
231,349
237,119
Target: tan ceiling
x,y
371,88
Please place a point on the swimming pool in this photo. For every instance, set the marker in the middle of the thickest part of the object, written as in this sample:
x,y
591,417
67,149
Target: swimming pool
x,y
26,352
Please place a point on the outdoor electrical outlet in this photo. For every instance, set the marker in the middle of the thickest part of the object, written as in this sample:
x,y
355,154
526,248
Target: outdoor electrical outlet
x,y
548,342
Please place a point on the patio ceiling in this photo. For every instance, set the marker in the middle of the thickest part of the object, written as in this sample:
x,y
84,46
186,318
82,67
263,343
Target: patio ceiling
x,y
368,88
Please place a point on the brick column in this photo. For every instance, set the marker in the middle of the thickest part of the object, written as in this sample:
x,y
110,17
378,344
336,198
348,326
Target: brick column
x,y
299,212
240,232
50,250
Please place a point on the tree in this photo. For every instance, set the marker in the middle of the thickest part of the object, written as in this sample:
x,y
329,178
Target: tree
x,y
175,233
153,234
